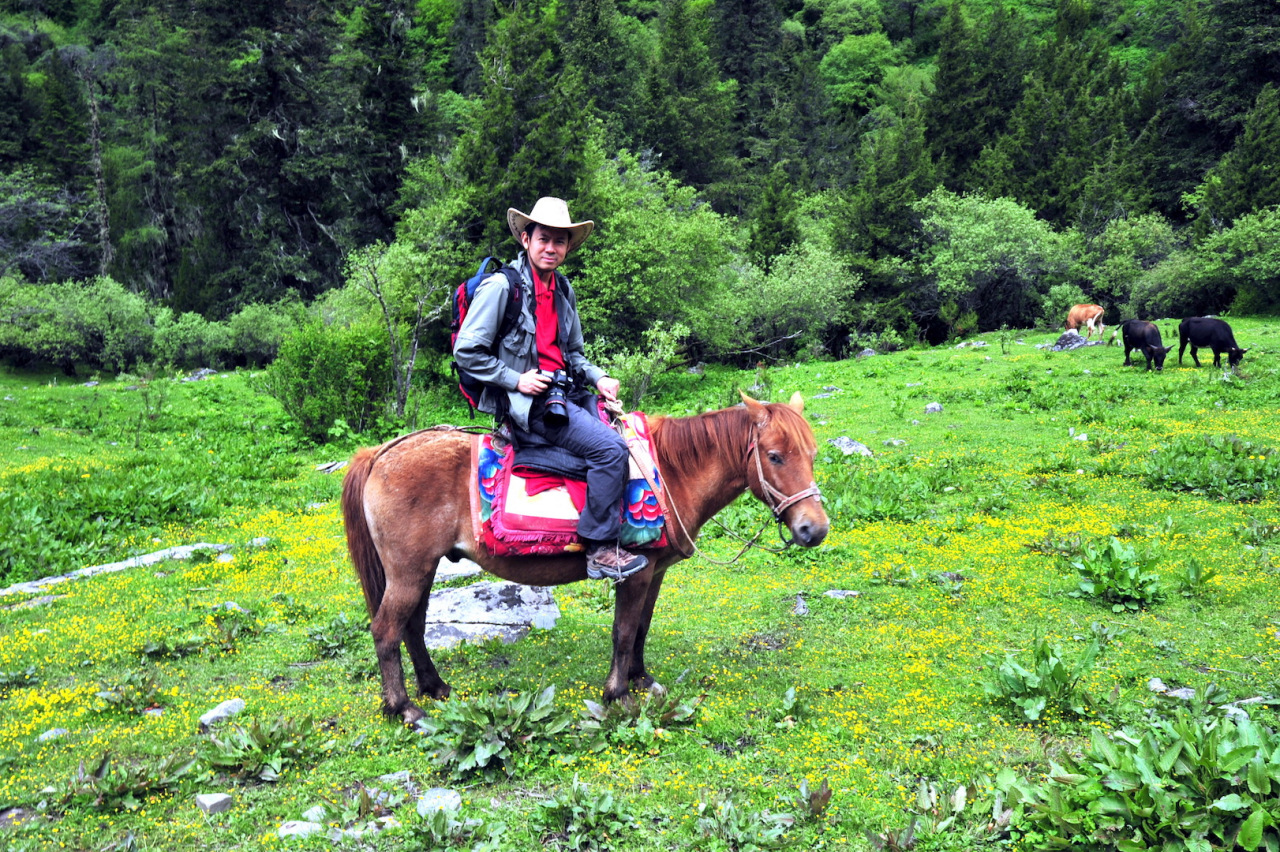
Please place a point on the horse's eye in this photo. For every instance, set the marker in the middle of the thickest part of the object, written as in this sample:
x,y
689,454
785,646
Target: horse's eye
x,y
775,457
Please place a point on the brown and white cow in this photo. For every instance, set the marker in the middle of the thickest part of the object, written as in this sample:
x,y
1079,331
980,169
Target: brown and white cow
x,y
1089,316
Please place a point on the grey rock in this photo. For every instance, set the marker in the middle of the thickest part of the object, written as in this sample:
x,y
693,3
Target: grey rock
x,y
933,408
14,816
439,799
331,467
801,608
848,446
1072,339
894,442
448,570
91,384
1186,693
180,552
221,713
153,711
299,828
52,734
697,369
311,507
821,396
915,422
316,814
214,803
260,541
915,384
484,610
831,389
841,594
402,778
866,353
200,375
229,606
43,600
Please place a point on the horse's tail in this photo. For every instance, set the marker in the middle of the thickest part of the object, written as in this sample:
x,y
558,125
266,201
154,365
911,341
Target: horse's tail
x,y
364,556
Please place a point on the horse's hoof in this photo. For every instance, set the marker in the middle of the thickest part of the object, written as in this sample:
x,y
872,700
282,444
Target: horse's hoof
x,y
412,714
439,693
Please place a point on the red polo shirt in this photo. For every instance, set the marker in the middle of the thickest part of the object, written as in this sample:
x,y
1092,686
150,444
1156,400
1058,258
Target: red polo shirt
x,y
550,357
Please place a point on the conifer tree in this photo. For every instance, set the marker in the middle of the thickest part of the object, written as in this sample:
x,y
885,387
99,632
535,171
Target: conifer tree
x,y
689,108
1248,177
774,228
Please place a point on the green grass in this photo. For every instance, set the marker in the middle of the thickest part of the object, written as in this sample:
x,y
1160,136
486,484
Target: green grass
x,y
888,686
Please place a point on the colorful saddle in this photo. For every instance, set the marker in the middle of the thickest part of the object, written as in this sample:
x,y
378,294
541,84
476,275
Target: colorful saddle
x,y
517,513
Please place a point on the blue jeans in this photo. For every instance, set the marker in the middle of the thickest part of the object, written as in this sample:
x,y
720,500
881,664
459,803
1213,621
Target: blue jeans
x,y
605,452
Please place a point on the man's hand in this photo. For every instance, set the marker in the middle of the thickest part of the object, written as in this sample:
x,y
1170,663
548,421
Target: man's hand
x,y
533,383
608,387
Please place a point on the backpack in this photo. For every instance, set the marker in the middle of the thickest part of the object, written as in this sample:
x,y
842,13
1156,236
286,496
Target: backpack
x,y
470,386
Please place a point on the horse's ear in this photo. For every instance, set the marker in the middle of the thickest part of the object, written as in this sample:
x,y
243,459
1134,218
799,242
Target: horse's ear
x,y
797,402
759,414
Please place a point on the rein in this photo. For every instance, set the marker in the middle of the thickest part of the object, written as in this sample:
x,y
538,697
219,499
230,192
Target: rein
x,y
773,498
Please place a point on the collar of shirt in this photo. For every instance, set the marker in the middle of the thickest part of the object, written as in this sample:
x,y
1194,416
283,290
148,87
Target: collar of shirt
x,y
541,289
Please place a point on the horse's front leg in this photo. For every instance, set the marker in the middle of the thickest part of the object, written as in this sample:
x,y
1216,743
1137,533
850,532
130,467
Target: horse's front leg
x,y
631,595
637,674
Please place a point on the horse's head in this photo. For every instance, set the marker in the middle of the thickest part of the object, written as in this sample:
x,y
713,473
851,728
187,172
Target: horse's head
x,y
780,467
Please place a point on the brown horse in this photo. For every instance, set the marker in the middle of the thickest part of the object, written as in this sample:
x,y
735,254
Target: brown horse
x,y
406,504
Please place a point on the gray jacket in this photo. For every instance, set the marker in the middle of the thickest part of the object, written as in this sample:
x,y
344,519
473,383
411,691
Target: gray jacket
x,y
500,363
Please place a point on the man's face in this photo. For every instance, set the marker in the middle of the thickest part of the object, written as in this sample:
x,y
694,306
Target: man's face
x,y
546,247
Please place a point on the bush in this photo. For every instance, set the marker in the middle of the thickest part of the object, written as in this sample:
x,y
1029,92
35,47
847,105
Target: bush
x,y
1061,299
256,332
1117,574
1049,684
491,734
327,374
1199,779
264,751
191,341
96,321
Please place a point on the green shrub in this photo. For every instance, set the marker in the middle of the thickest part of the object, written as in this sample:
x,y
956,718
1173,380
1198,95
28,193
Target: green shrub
x,y
1059,301
256,332
264,751
134,692
1223,467
1196,779
580,819
491,734
191,341
96,321
724,824
1117,573
636,723
325,374
1050,683
337,637
117,786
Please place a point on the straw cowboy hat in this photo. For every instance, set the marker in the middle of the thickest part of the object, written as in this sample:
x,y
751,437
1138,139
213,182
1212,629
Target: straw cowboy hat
x,y
552,213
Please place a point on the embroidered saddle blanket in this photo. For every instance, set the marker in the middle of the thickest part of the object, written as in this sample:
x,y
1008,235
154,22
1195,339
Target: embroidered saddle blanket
x,y
521,513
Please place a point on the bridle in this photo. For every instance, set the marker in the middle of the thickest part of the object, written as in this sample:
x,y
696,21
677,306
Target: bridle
x,y
772,497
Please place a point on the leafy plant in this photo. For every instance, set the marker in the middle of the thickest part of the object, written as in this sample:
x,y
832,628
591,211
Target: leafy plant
x,y
580,819
1049,683
1117,574
18,679
811,803
231,623
264,751
492,734
639,722
945,810
135,692
173,647
1195,581
722,821
336,637
1223,467
115,786
1199,778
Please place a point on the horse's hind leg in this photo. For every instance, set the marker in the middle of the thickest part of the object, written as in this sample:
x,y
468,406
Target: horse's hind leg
x,y
430,684
388,627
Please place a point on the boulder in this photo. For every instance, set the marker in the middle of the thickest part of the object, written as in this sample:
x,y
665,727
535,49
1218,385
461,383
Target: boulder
x,y
848,446
221,713
933,408
214,803
485,610
439,799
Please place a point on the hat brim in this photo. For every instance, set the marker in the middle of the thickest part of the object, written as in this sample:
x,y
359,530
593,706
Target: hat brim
x,y
578,231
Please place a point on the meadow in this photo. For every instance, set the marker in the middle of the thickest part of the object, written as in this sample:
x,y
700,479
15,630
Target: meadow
x,y
1026,561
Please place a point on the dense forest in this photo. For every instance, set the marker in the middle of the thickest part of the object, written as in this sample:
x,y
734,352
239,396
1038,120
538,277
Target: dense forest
x,y
770,178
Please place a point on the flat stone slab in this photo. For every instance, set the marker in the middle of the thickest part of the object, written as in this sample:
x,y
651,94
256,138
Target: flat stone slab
x,y
447,570
486,610
214,803
183,551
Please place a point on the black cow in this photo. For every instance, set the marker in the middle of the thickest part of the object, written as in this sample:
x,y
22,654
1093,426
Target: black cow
x,y
1145,337
1212,333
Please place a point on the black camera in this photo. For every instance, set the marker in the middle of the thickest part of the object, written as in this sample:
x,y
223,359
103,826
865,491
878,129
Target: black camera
x,y
556,411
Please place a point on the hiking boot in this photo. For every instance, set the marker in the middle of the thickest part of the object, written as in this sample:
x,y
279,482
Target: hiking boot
x,y
610,560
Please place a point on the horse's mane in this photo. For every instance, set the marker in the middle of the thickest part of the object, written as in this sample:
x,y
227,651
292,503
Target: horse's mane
x,y
685,443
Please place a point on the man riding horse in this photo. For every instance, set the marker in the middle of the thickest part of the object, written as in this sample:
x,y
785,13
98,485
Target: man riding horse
x,y
530,373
